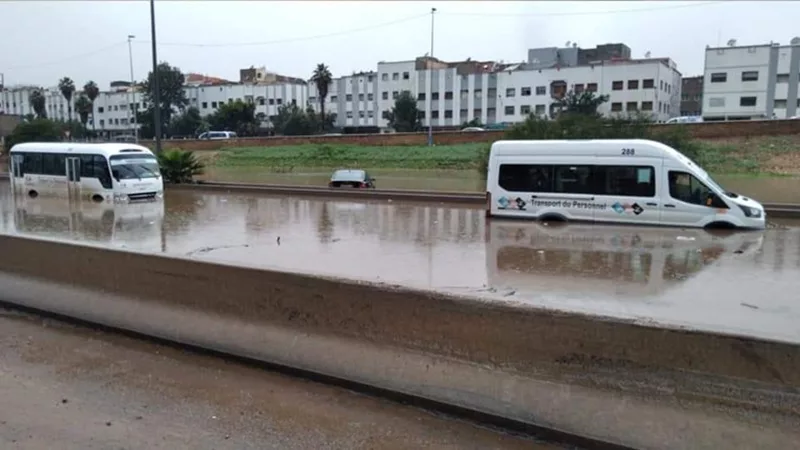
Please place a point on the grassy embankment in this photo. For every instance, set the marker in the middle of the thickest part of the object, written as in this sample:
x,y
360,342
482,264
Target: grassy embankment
x,y
779,155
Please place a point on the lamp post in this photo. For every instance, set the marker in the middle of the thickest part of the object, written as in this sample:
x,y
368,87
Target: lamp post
x,y
156,92
133,103
430,120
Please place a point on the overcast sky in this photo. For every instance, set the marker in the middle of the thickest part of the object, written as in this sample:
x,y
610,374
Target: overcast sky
x,y
43,41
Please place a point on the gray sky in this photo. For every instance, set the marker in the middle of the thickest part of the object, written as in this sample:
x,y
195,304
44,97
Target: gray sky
x,y
43,41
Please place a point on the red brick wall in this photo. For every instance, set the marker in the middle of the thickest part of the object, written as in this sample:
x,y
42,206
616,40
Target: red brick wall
x,y
707,130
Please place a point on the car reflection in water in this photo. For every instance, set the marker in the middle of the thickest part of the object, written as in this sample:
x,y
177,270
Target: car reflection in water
x,y
134,226
601,262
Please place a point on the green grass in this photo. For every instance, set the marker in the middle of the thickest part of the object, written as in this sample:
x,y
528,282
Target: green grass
x,y
754,157
286,158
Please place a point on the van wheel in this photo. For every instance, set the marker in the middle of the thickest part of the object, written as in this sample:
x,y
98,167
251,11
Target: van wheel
x,y
721,225
33,194
553,218
97,198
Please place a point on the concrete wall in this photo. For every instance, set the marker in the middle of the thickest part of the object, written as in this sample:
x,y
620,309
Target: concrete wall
x,y
611,380
706,130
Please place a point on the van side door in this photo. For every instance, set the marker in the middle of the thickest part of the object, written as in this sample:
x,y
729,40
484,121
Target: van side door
x,y
628,188
688,201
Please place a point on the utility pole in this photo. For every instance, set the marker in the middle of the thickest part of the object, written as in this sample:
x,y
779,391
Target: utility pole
x,y
156,92
134,104
430,74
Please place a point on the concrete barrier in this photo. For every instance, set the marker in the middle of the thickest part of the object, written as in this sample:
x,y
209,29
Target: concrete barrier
x,y
617,381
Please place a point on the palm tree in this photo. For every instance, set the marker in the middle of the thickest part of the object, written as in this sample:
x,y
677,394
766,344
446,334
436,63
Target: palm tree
x,y
38,103
322,78
92,91
83,106
67,88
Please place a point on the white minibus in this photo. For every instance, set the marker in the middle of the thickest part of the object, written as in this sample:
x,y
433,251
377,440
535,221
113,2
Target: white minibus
x,y
111,172
616,181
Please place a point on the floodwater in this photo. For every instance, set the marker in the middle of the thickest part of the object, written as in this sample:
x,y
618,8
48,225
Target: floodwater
x,y
738,282
763,189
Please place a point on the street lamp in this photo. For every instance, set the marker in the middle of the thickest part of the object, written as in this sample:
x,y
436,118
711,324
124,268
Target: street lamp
x,y
430,74
156,92
133,102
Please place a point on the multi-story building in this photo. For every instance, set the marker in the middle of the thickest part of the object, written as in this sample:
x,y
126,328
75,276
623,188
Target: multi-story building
x,y
751,82
352,98
692,96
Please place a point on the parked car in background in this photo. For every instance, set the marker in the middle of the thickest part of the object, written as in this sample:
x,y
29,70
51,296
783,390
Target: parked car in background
x,y
217,135
351,178
685,119
468,129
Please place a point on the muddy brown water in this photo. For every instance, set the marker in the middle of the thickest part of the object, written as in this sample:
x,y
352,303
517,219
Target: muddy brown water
x,y
764,189
736,282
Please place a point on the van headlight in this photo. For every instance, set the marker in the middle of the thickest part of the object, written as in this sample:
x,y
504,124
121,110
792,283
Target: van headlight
x,y
753,213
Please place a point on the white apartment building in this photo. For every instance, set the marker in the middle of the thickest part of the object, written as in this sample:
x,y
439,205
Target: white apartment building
x,y
751,82
352,98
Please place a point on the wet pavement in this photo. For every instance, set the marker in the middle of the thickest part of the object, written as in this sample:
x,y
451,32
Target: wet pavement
x,y
740,282
72,388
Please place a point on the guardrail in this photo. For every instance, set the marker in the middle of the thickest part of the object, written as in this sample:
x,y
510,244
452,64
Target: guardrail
x,y
610,380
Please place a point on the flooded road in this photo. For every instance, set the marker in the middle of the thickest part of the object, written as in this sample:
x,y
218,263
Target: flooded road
x,y
736,282
71,388
766,189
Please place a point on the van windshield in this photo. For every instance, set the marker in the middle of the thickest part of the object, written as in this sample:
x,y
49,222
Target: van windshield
x,y
134,167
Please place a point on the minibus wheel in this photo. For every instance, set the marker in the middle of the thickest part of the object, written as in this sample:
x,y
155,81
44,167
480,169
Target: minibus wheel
x,y
721,225
97,198
33,194
553,218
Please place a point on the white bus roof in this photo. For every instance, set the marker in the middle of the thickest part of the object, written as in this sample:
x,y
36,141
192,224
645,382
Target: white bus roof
x,y
588,147
105,149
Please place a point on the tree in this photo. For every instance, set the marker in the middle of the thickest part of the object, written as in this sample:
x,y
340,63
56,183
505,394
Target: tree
x,y
293,121
38,104
83,106
474,123
171,96
190,123
235,116
322,78
404,116
179,167
92,91
585,103
37,130
67,88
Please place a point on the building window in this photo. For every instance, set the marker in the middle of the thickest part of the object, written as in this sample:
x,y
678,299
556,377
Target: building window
x,y
421,114
476,112
648,84
750,75
214,104
633,84
448,113
631,106
405,75
421,96
348,97
361,97
361,114
509,110
578,88
395,76
349,114
747,101
463,114
541,90
617,85
716,102
395,94
616,107
719,77
205,104
647,106
384,77
370,114
370,97
591,87
385,95
525,91
334,98
434,96
782,78
435,114
525,110
370,78
511,92
540,109
279,101
448,95
478,93
780,104
100,110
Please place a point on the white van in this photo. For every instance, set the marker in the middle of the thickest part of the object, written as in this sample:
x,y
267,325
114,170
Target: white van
x,y
685,119
618,181
217,135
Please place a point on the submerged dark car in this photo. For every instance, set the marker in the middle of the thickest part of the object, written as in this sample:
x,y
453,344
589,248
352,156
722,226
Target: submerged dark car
x,y
351,178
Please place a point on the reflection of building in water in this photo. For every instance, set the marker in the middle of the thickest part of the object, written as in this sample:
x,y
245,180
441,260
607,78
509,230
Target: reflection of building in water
x,y
586,259
134,226
401,222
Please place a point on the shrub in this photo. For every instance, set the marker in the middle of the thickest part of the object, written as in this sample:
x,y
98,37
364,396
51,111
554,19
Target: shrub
x,y
37,130
179,166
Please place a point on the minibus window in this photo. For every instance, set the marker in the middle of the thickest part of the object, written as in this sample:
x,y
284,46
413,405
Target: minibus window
x,y
687,188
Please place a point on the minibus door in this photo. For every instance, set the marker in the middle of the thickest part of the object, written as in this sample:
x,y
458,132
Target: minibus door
x,y
17,174
73,170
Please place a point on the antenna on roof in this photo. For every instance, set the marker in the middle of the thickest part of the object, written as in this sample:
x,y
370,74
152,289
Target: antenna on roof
x,y
732,43
647,55
568,44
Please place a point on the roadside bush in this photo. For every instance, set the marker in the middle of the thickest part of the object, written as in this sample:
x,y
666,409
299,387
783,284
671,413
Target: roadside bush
x,y
37,130
179,166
